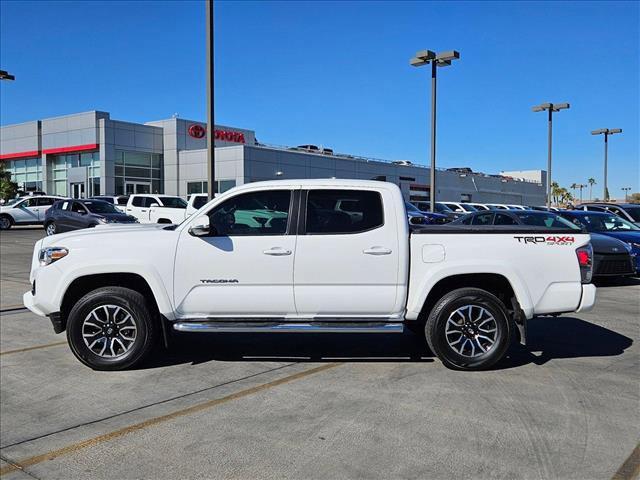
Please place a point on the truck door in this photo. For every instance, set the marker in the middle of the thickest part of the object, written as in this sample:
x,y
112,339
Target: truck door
x,y
347,255
244,268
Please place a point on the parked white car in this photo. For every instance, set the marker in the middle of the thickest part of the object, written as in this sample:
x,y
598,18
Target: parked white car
x,y
195,202
155,208
25,210
280,257
460,207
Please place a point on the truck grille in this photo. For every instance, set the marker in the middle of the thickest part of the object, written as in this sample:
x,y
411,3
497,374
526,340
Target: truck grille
x,y
615,264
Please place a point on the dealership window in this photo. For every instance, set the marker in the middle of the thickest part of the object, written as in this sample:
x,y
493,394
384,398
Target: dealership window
x,y
202,187
27,173
137,172
59,164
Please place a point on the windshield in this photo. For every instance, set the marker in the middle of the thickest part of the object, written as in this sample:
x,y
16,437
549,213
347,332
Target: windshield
x,y
469,208
606,223
543,219
173,202
100,207
412,208
442,208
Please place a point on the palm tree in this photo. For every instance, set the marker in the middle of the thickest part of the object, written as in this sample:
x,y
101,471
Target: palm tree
x,y
556,191
573,187
591,182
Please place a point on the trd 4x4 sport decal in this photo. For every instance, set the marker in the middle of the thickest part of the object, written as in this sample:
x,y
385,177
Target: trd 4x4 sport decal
x,y
549,240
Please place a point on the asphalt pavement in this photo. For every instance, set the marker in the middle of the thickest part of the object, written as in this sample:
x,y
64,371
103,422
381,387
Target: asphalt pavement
x,y
323,406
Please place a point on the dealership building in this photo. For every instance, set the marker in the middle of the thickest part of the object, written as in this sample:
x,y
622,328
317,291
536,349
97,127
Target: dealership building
x,y
89,153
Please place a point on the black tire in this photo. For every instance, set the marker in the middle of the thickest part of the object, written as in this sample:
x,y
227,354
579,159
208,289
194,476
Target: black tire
x,y
142,317
435,329
51,228
6,222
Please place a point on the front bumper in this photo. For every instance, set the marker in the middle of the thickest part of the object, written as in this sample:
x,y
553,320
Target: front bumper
x,y
29,301
588,299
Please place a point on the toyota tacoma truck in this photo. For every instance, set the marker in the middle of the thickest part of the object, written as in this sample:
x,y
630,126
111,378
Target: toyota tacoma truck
x,y
155,208
281,256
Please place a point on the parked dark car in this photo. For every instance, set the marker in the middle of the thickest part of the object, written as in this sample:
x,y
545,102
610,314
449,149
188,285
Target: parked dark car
x,y
418,217
611,257
532,218
441,208
611,225
628,211
67,215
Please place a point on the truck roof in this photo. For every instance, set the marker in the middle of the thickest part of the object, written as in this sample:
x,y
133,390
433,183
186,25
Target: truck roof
x,y
319,182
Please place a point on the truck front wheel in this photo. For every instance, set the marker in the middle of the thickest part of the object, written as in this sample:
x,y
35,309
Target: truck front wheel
x,y
111,328
468,329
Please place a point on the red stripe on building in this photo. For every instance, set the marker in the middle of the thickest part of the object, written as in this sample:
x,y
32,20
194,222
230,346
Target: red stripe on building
x,y
9,156
74,148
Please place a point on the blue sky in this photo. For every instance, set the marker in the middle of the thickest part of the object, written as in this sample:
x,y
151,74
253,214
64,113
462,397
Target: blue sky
x,y
337,74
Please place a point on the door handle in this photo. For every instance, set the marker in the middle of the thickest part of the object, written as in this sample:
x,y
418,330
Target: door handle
x,y
143,211
377,251
277,252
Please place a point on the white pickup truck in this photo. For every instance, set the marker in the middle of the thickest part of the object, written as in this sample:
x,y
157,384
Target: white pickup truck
x,y
279,257
156,208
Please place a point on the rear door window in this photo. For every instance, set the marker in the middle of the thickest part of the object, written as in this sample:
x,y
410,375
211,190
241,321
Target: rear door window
x,y
343,211
502,219
483,219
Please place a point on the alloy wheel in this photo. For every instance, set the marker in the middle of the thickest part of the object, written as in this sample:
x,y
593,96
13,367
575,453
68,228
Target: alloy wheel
x,y
109,331
471,331
51,229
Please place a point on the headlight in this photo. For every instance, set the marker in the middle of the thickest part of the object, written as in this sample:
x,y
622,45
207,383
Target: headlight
x,y
51,254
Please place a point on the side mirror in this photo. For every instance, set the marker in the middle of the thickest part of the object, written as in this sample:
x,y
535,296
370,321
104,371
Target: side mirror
x,y
201,228
154,205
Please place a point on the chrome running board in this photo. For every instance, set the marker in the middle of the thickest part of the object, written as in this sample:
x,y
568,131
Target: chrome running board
x,y
290,327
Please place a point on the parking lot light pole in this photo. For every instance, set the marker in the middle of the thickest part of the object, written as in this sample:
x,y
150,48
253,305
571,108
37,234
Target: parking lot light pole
x,y
606,132
551,107
442,59
625,190
211,157
4,75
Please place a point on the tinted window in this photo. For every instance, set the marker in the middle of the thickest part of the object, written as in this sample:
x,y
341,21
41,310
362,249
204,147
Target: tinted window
x,y
123,200
172,202
595,209
255,213
142,201
502,219
105,199
343,211
77,207
606,223
634,212
100,207
200,202
483,219
45,201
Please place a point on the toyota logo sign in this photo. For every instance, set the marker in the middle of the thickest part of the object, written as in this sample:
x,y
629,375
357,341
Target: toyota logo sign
x,y
197,131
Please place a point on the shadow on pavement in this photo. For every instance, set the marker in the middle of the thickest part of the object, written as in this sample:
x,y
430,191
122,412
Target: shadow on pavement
x,y
565,337
555,338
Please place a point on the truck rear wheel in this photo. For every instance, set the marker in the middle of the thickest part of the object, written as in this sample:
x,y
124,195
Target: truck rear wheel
x,y
468,329
111,328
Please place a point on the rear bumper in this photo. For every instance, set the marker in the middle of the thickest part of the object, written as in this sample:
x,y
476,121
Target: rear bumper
x,y
588,299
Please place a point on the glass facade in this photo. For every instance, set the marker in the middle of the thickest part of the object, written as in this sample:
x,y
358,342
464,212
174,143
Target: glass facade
x,y
135,170
27,173
58,165
201,187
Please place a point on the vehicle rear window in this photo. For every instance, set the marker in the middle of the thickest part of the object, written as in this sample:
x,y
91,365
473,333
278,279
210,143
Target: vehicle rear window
x,y
343,211
123,200
544,219
634,212
200,202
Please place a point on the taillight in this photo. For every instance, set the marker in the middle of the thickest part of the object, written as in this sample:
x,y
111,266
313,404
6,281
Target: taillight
x,y
585,260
